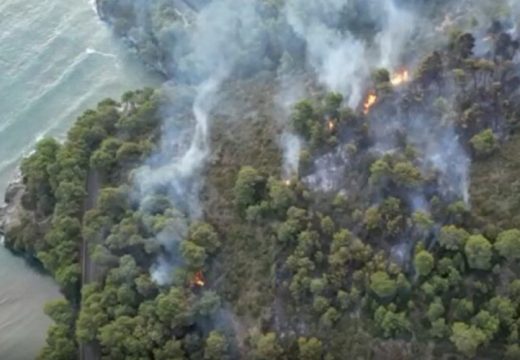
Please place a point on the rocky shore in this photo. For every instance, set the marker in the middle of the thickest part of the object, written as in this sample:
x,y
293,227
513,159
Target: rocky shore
x,y
11,210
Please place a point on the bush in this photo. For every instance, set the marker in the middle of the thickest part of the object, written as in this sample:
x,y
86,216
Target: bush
x,y
249,188
423,262
453,238
508,244
478,252
382,285
484,143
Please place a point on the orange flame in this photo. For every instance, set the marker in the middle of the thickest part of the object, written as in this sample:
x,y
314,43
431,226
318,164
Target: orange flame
x,y
369,102
331,125
400,77
198,279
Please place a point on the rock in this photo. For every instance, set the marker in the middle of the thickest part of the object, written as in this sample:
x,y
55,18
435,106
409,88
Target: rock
x,y
13,190
11,212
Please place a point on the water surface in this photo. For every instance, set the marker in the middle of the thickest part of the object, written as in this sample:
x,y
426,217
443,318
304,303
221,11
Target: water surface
x,y
56,60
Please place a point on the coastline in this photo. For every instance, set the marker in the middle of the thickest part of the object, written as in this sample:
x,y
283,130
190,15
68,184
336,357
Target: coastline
x,y
11,206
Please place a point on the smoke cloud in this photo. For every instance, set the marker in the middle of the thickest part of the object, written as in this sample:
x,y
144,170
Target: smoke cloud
x,y
340,55
336,42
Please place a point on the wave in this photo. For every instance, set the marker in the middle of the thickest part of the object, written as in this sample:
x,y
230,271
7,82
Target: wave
x,y
46,91
91,51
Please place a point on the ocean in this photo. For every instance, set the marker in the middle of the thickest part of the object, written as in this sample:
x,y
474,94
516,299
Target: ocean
x,y
56,60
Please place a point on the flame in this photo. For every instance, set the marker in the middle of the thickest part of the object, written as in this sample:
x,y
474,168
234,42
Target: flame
x,y
198,279
330,125
369,102
400,77
287,182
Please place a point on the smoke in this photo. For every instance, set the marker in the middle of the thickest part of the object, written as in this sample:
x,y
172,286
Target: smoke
x,y
438,146
339,54
336,42
329,171
341,57
222,39
291,147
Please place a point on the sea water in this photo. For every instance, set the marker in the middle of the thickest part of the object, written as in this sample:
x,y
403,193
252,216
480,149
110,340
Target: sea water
x,y
56,60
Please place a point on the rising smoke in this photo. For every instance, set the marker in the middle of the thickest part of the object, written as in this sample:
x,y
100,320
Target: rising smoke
x,y
338,42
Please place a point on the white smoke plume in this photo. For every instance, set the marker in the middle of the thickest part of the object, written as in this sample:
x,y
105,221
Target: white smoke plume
x,y
219,38
291,147
223,39
342,59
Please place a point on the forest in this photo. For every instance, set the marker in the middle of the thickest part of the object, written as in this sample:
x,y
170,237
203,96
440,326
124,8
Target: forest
x,y
395,236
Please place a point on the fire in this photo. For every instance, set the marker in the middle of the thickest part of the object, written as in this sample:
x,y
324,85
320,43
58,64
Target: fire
x,y
400,77
287,182
198,279
369,102
330,125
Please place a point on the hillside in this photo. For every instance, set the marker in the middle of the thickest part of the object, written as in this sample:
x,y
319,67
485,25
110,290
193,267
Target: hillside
x,y
276,208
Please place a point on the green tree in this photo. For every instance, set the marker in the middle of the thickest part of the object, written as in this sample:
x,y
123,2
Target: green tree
x,y
435,310
173,308
119,339
310,349
379,170
503,308
391,323
69,198
248,188
512,352
171,350
508,244
104,158
430,69
194,254
381,76
329,318
484,143
467,338
439,328
423,262
267,347
332,104
204,235
478,252
302,118
216,347
92,315
382,285
281,196
113,202
453,238
406,174
131,153
39,178
207,304
60,311
327,225
462,44
487,323
463,309
60,344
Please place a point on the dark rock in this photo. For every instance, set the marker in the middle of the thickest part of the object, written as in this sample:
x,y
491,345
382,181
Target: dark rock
x,y
11,212
13,190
